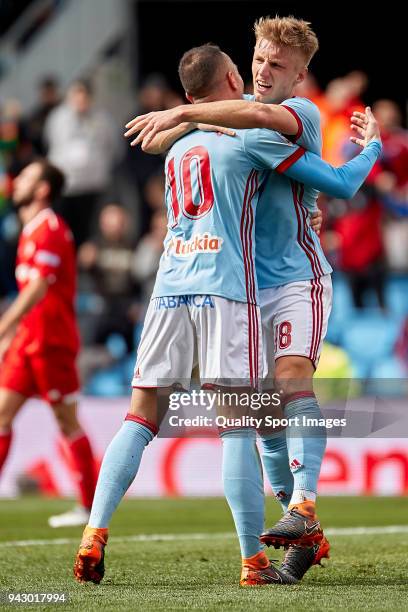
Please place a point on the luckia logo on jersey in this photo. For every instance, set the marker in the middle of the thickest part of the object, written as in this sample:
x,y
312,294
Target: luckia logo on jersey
x,y
200,243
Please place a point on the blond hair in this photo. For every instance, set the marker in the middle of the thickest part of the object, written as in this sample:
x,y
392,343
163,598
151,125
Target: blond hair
x,y
288,32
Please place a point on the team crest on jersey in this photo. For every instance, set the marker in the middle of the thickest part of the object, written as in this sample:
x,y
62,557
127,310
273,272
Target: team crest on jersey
x,y
200,243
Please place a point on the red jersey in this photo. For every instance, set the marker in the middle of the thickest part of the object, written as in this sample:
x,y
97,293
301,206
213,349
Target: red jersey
x,y
46,248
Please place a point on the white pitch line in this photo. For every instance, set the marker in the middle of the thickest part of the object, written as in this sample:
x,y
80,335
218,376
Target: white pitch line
x,y
351,531
173,537
154,537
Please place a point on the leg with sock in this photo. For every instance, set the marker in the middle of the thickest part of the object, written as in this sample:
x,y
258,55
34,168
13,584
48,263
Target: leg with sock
x,y
6,436
10,404
243,488
78,451
275,460
84,465
306,447
118,470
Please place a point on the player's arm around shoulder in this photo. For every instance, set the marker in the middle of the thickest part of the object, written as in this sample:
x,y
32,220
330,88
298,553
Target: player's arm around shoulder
x,y
268,150
268,116
307,117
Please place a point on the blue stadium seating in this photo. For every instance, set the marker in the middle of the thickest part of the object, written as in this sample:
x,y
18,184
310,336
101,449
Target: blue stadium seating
x,y
388,378
369,337
107,383
397,295
343,308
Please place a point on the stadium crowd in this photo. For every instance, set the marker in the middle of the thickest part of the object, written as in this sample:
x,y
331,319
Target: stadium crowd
x,y
119,244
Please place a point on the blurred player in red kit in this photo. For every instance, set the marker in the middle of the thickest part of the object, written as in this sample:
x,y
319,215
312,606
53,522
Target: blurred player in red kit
x,y
39,339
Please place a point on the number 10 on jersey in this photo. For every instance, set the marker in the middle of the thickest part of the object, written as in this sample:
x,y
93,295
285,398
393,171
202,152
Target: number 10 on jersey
x,y
195,180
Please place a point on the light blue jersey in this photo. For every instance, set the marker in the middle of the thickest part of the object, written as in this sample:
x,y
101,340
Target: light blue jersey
x,y
213,184
287,249
212,190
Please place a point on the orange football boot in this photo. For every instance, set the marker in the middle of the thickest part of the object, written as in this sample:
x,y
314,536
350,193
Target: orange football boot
x,y
259,571
89,561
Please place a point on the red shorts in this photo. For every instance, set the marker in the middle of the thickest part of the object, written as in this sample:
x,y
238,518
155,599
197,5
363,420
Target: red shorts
x,y
51,375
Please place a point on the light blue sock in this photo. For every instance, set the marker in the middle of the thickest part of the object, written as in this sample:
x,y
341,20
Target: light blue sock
x,y
119,468
276,463
306,446
243,487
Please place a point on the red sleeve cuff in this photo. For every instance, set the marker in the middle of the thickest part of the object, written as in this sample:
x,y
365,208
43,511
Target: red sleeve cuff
x,y
298,121
287,163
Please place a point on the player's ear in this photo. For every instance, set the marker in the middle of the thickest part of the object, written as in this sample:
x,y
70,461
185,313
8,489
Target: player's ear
x,y
232,80
302,75
189,98
43,190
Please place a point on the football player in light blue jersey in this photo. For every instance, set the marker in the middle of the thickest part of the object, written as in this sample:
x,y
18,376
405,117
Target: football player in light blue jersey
x,y
292,271
212,188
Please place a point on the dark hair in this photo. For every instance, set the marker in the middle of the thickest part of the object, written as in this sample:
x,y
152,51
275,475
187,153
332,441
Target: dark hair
x,y
53,176
84,84
46,82
199,69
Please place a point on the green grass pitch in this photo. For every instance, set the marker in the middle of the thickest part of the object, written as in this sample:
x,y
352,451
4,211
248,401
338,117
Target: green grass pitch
x,y
367,571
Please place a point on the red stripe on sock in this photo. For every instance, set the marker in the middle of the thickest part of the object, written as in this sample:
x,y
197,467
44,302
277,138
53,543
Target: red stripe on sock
x,y
137,419
5,443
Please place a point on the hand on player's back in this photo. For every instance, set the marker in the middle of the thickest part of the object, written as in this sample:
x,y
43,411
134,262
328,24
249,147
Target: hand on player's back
x,y
366,126
316,220
215,128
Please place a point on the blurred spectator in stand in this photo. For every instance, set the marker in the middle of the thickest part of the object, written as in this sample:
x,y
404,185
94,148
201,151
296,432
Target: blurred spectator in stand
x,y
309,88
154,95
152,199
355,238
341,98
15,146
391,182
357,82
173,99
9,140
48,98
154,191
84,143
14,151
361,251
147,255
107,260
